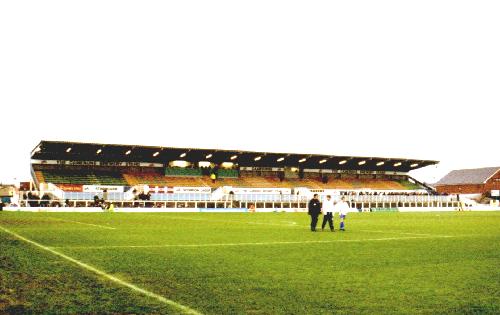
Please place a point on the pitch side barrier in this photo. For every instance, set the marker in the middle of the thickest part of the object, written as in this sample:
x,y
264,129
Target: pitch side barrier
x,y
176,205
260,203
229,210
143,210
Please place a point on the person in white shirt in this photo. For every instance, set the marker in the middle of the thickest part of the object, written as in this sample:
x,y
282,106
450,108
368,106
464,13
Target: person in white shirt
x,y
342,207
328,210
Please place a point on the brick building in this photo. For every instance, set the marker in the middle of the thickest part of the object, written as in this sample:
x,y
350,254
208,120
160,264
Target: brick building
x,y
471,181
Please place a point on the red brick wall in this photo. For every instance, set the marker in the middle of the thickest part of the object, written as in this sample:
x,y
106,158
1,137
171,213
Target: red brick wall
x,y
494,182
461,189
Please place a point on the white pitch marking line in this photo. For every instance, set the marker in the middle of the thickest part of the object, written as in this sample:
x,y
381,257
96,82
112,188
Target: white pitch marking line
x,y
232,221
395,232
246,244
183,308
77,222
291,224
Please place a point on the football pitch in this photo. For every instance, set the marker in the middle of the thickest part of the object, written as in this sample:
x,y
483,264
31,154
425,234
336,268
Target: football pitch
x,y
249,263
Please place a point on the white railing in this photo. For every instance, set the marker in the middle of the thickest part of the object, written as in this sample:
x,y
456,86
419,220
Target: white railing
x,y
51,189
218,194
401,201
116,196
360,202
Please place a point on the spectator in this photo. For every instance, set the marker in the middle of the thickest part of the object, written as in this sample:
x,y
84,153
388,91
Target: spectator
x,y
45,201
97,202
55,204
301,173
36,199
29,198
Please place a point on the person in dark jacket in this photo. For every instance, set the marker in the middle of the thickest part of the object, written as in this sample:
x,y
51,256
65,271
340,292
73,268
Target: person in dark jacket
x,y
314,208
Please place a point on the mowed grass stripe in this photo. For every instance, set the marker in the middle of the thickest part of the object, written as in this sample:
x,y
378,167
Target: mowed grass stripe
x,y
180,307
256,243
402,233
433,275
289,224
83,223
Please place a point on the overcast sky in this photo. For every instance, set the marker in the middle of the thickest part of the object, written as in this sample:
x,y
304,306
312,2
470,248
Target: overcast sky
x,y
415,79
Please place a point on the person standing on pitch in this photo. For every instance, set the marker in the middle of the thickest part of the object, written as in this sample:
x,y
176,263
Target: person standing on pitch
x,y
327,209
314,208
342,207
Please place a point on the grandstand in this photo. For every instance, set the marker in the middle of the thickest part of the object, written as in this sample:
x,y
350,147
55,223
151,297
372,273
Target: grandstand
x,y
194,178
81,171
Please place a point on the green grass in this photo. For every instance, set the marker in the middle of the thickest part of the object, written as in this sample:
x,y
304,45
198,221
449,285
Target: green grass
x,y
385,263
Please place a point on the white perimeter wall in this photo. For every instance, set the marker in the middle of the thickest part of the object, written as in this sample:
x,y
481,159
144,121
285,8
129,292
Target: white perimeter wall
x,y
227,210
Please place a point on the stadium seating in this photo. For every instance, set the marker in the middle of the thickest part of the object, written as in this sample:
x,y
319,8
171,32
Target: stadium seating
x,y
268,182
227,173
154,179
39,177
181,171
235,182
145,179
374,184
81,177
409,185
187,177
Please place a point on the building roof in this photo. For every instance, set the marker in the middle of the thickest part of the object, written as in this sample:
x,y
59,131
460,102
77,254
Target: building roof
x,y
76,151
468,176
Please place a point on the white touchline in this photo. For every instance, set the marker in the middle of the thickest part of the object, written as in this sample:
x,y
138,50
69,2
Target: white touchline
x,y
249,244
183,308
77,222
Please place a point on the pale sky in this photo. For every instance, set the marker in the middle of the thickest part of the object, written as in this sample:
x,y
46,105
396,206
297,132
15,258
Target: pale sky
x,y
415,79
